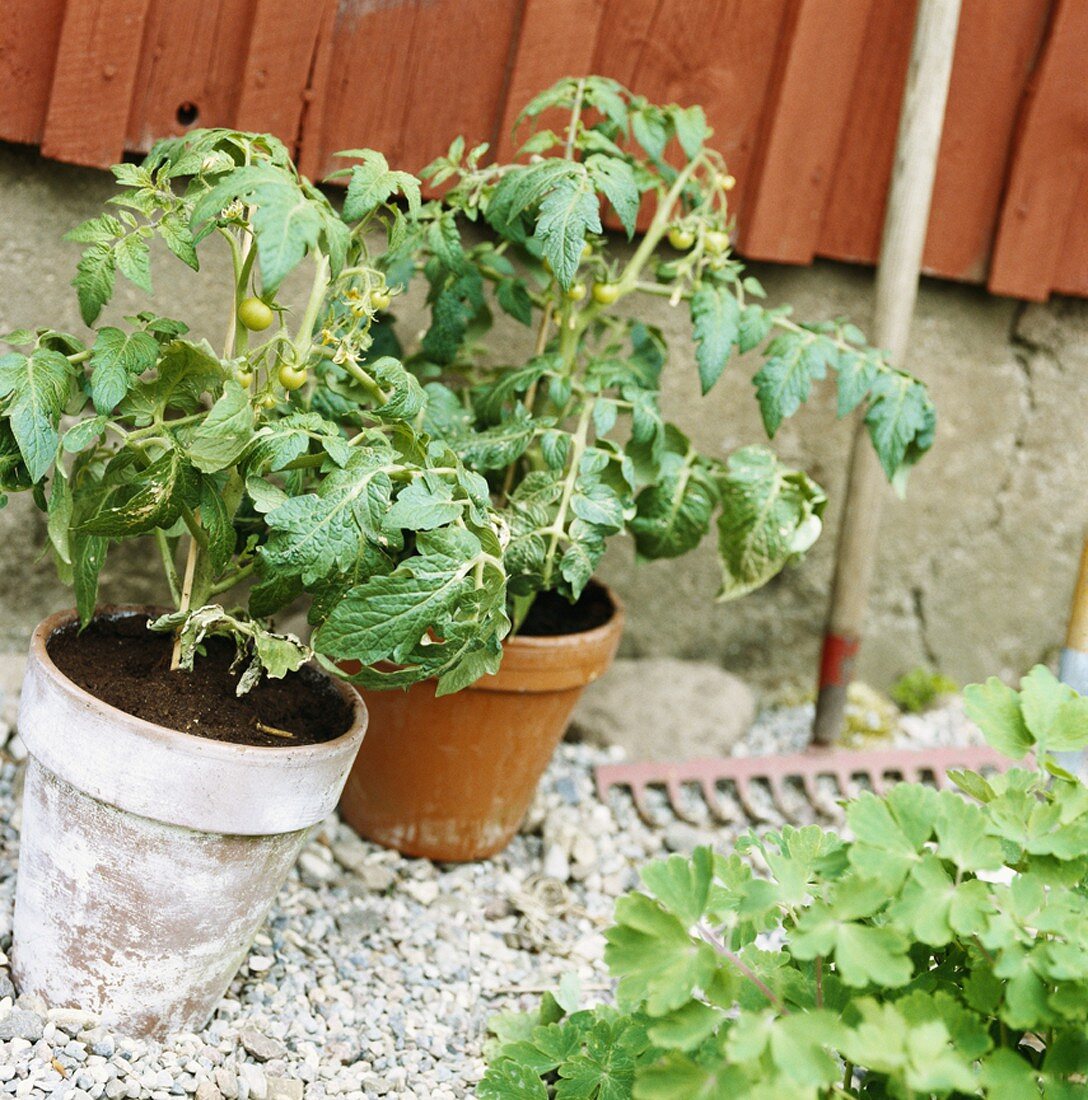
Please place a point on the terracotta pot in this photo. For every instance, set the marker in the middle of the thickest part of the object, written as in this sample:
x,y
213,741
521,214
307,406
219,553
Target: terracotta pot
x,y
451,778
150,857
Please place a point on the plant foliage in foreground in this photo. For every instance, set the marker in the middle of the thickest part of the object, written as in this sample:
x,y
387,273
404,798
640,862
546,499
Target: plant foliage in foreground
x,y
571,436
942,952
279,459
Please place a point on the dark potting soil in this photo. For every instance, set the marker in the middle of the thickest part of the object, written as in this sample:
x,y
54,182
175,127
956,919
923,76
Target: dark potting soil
x,y
121,662
552,614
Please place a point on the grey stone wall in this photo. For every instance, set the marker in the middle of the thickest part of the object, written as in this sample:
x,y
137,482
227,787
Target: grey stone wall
x,y
976,565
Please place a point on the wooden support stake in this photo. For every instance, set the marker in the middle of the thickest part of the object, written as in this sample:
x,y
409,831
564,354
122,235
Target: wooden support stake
x,y
905,224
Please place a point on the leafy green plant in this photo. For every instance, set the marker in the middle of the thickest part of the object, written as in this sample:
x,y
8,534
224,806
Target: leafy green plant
x,y
941,952
571,437
920,688
280,462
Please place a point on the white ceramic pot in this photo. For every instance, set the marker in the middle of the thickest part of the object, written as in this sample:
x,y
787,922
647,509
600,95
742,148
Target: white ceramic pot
x,y
150,857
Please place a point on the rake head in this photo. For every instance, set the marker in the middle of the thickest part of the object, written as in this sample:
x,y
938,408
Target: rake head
x,y
737,777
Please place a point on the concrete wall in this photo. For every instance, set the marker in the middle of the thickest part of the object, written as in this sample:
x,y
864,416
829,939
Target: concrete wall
x,y
976,565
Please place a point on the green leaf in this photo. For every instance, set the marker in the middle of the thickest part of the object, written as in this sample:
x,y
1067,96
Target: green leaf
x,y
794,361
154,501
60,515
901,420
995,708
715,316
134,260
88,557
567,214
691,129
373,183
94,281
226,431
615,179
770,516
514,300
179,238
388,616
37,388
420,507
682,885
508,1080
116,359
654,957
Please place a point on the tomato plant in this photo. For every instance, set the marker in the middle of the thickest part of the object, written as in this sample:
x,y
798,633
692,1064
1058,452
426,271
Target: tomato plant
x,y
571,436
283,462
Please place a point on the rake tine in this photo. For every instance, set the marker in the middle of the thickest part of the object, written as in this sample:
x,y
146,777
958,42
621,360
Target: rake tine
x,y
744,797
638,796
714,803
675,791
778,797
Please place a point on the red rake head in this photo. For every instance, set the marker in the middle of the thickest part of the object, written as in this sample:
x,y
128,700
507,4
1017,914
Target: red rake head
x,y
739,775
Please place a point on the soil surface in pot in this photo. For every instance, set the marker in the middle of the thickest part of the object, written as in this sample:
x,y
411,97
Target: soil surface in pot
x,y
119,661
552,614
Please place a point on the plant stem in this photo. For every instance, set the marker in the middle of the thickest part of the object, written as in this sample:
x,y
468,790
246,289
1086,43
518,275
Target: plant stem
x,y
530,397
716,942
227,583
304,335
559,523
367,381
168,565
186,597
575,114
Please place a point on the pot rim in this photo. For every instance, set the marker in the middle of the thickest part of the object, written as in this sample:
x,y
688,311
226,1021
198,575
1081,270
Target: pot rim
x,y
614,622
166,775
179,739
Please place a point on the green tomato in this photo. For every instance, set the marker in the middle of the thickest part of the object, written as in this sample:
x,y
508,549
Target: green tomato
x,y
681,239
605,293
380,299
244,377
716,242
255,314
267,401
576,292
291,378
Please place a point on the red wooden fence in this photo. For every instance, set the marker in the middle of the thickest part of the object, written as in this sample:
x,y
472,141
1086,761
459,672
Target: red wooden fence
x,y
803,96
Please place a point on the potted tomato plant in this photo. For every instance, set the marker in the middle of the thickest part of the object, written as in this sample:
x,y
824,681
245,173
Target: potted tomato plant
x,y
174,773
571,437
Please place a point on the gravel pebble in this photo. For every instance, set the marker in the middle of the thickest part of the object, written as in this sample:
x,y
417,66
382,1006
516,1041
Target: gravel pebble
x,y
376,975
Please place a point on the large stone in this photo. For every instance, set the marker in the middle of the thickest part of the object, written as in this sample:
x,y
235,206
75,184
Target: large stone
x,y
661,708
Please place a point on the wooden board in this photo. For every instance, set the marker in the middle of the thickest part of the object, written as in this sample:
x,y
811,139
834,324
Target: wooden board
x,y
1041,239
29,38
803,96
279,64
174,94
795,160
98,59
546,52
407,77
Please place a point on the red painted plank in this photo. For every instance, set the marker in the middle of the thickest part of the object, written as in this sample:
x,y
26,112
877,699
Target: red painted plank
x,y
719,53
1035,249
557,39
854,213
97,62
996,49
29,37
279,64
409,75
191,68
795,159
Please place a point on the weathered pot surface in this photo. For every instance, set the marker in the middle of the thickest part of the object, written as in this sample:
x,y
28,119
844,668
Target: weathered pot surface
x,y
149,857
450,778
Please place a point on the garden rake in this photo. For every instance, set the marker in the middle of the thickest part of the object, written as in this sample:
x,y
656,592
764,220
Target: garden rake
x,y
820,776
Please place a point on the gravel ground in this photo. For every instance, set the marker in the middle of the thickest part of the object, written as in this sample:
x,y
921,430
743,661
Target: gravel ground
x,y
376,975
